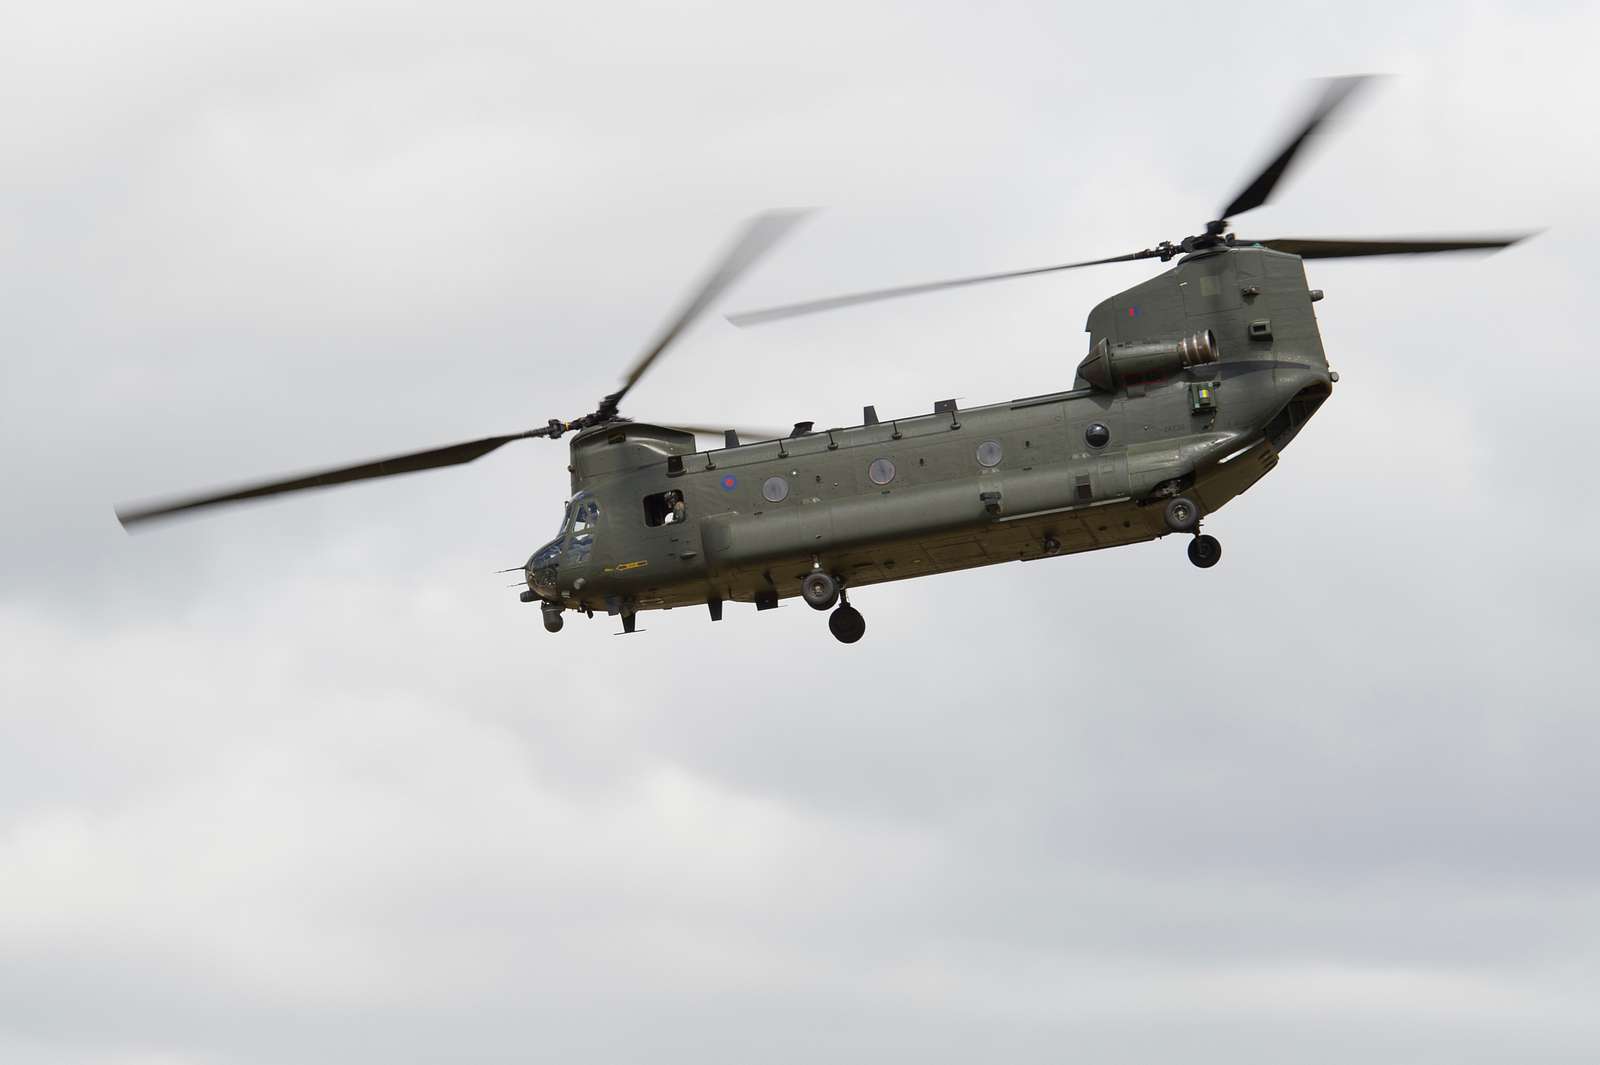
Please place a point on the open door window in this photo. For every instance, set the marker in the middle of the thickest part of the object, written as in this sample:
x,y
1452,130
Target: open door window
x,y
665,508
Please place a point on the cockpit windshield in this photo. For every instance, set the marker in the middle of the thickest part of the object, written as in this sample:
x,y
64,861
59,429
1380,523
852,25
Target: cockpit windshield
x,y
574,541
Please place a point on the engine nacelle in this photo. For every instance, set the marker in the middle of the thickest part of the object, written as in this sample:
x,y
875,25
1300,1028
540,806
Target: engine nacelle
x,y
1107,366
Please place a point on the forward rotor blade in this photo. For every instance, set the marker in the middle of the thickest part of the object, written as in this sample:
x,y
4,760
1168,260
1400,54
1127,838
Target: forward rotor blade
x,y
757,237
452,455
1311,248
791,310
1255,194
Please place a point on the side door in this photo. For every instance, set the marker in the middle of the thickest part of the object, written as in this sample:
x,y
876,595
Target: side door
x,y
669,529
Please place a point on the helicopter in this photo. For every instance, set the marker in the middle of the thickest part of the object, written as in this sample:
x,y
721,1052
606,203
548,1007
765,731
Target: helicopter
x,y
1194,382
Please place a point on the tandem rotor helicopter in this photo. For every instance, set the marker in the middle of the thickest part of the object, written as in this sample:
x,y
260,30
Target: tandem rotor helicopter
x,y
1194,382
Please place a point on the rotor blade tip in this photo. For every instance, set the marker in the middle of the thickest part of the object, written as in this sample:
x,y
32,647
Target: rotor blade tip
x,y
130,519
1340,86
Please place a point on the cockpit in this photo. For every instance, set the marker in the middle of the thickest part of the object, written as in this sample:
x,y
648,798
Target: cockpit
x,y
573,544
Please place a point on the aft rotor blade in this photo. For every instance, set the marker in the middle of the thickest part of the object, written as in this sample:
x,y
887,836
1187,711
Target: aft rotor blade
x,y
757,237
1255,194
791,310
435,458
1315,248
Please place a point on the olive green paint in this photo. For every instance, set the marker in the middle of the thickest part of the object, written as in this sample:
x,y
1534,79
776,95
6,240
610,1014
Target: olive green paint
x,y
943,510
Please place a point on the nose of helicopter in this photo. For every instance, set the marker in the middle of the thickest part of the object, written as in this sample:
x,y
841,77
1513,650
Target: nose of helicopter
x,y
541,570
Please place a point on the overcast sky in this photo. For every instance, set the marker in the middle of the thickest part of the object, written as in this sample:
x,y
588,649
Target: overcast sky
x,y
304,783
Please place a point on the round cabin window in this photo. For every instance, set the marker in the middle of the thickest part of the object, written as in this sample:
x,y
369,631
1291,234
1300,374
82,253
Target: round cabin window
x,y
1097,435
989,453
881,471
776,489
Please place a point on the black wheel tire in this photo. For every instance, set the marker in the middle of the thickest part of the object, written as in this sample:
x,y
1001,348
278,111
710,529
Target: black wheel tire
x,y
1205,551
1181,514
847,624
553,621
819,590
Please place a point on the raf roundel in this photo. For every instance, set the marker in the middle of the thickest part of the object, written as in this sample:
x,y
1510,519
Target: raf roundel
x,y
729,482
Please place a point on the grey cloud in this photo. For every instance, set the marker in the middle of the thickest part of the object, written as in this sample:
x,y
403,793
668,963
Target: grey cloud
x,y
305,783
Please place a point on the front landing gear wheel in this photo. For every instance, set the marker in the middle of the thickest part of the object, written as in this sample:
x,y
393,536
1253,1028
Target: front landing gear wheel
x,y
847,624
1205,551
819,590
552,617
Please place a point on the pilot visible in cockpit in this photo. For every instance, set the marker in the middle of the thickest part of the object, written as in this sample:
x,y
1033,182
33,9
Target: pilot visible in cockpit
x,y
676,511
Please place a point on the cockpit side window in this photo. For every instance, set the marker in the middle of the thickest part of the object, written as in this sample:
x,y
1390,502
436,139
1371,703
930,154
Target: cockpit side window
x,y
583,520
665,508
588,514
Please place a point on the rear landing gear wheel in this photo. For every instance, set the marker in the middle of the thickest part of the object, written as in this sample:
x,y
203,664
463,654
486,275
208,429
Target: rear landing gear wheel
x,y
847,624
819,590
1205,551
1181,515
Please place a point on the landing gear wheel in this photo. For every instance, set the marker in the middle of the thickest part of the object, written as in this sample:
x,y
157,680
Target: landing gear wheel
x,y
1205,551
552,617
1181,515
847,624
819,590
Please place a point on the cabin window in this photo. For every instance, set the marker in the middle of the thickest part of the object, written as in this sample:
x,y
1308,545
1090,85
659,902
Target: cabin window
x,y
881,471
989,453
665,508
775,490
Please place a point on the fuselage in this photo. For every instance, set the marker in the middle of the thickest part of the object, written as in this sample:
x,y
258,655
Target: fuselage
x,y
656,523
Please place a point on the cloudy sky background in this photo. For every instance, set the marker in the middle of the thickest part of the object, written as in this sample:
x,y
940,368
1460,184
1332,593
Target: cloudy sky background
x,y
305,783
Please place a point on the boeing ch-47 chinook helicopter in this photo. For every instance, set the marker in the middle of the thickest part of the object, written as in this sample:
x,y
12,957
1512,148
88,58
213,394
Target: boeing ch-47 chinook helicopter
x,y
1194,381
